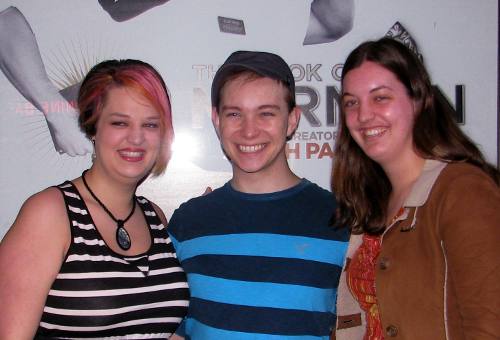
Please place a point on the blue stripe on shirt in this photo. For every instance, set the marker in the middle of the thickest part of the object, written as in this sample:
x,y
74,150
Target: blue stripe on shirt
x,y
261,294
272,245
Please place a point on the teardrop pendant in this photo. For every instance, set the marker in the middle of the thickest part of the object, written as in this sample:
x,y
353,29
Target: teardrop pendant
x,y
123,238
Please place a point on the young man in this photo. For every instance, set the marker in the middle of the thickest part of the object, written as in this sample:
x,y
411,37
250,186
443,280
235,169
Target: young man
x,y
261,258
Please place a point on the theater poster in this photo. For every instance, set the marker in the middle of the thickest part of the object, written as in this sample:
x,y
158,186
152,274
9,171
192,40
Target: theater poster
x,y
46,47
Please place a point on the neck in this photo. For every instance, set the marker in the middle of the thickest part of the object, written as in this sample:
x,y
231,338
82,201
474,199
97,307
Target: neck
x,y
403,173
116,196
258,183
402,176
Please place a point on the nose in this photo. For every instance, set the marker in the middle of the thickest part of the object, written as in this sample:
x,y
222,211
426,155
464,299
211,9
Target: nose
x,y
249,127
136,135
365,113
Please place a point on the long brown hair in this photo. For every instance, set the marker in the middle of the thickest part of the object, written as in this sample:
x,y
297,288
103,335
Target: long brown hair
x,y
360,184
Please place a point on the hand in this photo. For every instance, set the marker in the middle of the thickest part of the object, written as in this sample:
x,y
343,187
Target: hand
x,y
66,135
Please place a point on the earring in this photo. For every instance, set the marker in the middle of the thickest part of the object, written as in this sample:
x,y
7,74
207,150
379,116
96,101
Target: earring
x,y
94,156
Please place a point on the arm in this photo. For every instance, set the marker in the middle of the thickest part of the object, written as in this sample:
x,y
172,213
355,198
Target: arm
x,y
470,221
31,254
22,64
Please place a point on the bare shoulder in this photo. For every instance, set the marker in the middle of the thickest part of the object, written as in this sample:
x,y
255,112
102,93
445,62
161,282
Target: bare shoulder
x,y
40,235
47,205
42,216
50,198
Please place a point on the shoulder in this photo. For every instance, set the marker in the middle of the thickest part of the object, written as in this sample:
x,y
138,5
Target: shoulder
x,y
465,176
45,204
463,191
316,189
42,217
198,210
317,194
455,169
206,201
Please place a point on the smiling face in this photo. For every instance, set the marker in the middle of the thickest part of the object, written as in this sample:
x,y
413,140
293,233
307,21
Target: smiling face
x,y
253,123
128,135
379,113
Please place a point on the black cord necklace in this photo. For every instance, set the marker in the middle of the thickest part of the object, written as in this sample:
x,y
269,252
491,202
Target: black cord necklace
x,y
122,236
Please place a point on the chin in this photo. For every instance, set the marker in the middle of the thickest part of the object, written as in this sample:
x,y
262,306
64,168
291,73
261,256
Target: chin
x,y
250,169
136,175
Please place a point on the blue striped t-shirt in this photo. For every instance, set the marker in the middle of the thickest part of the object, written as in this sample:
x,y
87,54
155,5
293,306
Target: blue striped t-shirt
x,y
260,266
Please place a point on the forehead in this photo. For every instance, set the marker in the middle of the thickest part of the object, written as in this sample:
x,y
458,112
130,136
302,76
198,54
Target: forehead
x,y
126,100
244,89
123,96
369,76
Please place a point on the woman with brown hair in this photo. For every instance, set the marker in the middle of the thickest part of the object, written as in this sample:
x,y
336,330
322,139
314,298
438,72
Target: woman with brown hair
x,y
422,205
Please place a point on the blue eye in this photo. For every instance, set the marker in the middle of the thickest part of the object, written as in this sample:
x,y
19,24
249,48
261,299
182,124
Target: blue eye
x,y
152,125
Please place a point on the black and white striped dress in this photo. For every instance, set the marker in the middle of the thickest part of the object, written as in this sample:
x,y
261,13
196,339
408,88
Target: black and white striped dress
x,y
104,295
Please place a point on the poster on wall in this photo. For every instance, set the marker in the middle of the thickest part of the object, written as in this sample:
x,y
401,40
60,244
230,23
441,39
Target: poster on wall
x,y
47,47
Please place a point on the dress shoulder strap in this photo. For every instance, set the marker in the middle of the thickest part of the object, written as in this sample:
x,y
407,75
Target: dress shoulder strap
x,y
79,217
152,218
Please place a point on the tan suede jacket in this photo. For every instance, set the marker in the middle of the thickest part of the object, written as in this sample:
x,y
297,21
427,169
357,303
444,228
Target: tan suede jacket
x,y
438,273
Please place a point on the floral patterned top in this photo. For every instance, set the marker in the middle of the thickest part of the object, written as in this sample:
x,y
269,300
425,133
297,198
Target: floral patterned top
x,y
361,282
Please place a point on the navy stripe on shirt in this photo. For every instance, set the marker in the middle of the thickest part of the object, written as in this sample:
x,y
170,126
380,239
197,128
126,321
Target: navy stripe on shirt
x,y
253,268
259,320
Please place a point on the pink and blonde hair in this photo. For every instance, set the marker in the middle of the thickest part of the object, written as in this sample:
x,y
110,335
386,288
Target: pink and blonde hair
x,y
141,78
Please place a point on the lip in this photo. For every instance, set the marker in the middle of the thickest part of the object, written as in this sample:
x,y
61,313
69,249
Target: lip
x,y
132,155
251,148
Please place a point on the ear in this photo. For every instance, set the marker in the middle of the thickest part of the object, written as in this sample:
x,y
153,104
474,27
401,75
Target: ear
x,y
293,121
215,120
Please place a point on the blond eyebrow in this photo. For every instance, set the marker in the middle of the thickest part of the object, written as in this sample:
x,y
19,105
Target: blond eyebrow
x,y
118,114
125,115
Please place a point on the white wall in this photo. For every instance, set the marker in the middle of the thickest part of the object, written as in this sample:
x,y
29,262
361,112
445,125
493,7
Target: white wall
x,y
458,39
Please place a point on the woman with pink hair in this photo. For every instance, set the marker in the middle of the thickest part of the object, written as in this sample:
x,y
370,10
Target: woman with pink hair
x,y
88,258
